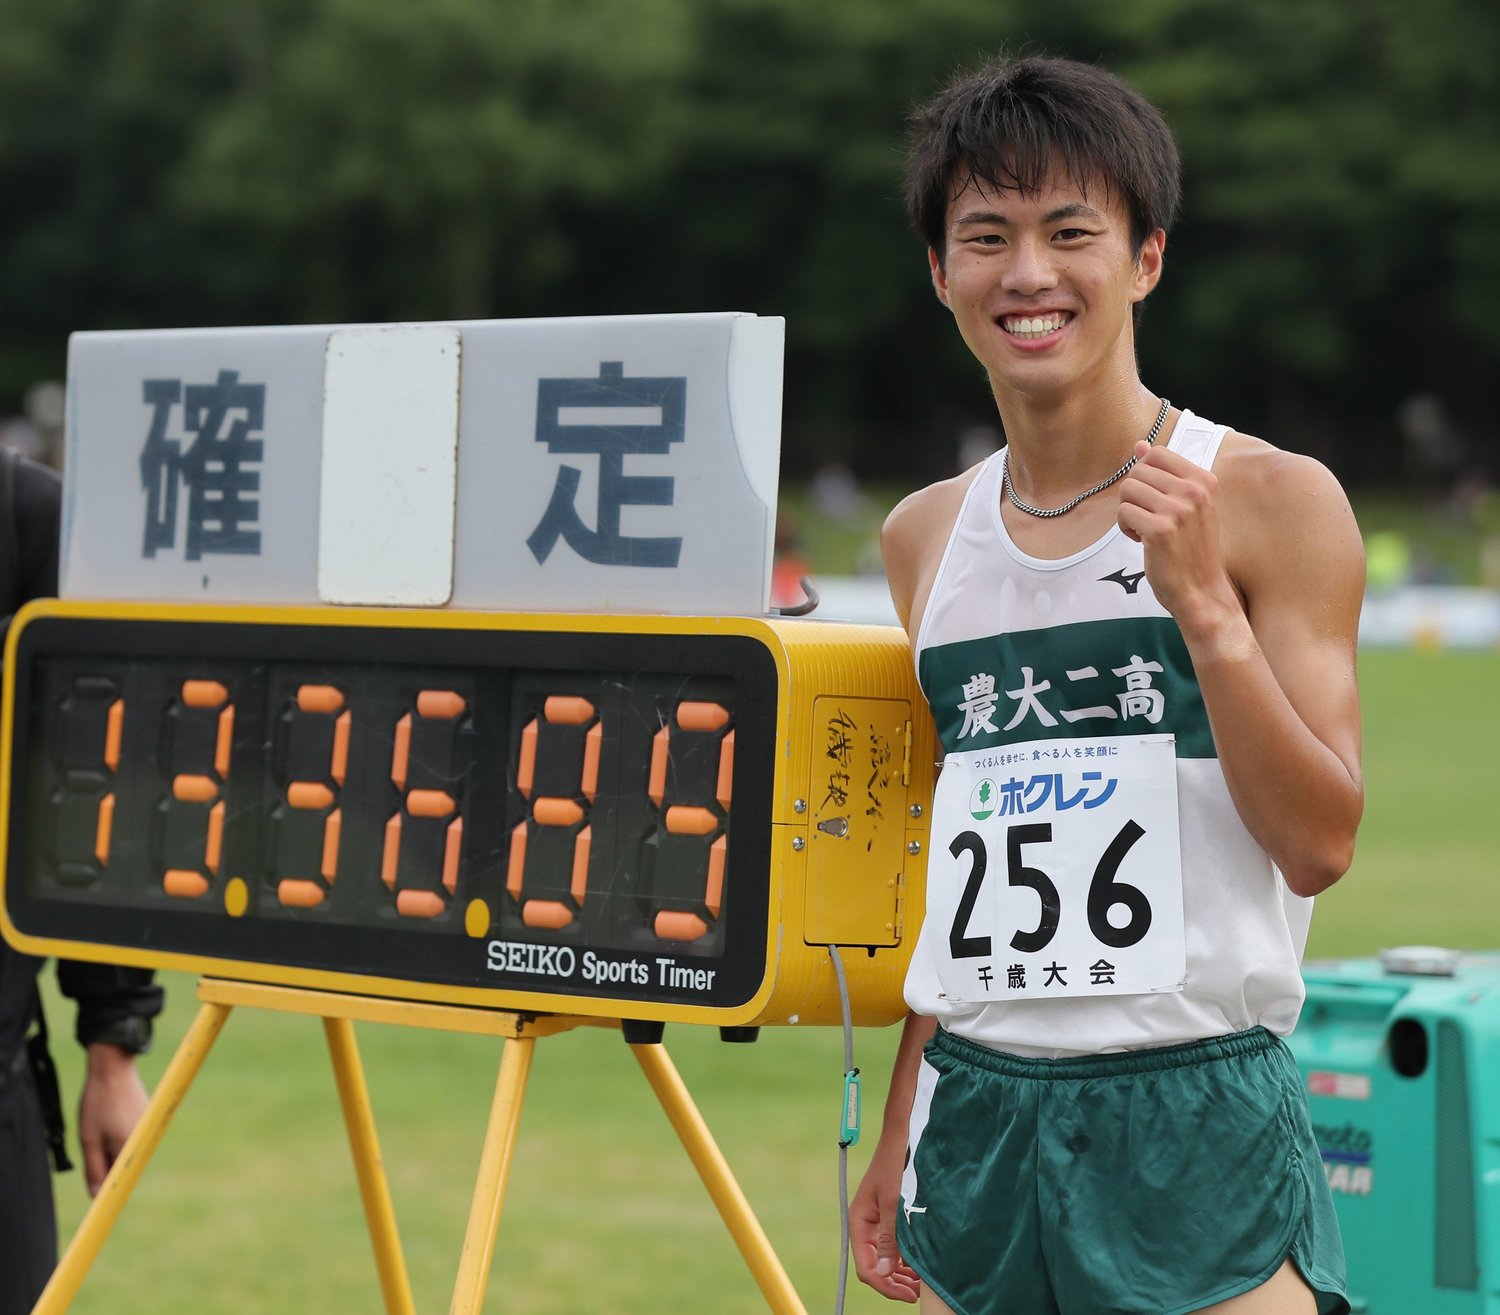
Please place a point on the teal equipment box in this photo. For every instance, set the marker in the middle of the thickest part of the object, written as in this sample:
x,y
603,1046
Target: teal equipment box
x,y
1401,1056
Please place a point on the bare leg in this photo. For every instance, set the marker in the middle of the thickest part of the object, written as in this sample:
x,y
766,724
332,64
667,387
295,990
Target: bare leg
x,y
932,1304
1284,1293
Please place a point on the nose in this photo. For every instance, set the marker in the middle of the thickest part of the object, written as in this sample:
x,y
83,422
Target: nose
x,y
1030,269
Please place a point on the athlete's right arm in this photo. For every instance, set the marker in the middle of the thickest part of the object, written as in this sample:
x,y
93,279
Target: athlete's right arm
x,y
872,1213
912,542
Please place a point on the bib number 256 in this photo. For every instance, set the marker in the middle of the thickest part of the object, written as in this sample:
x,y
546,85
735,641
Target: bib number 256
x,y
1106,893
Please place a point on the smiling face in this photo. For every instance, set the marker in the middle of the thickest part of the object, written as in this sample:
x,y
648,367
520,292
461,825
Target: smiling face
x,y
1042,284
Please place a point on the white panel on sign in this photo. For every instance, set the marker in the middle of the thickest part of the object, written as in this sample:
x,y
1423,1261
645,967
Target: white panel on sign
x,y
390,465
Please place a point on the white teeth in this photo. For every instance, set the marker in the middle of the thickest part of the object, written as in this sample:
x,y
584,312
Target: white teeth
x,y
1034,326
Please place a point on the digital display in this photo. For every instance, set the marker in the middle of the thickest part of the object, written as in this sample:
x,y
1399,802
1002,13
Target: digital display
x,y
517,807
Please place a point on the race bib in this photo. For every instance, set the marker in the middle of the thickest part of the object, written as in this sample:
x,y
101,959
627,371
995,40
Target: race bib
x,y
1056,870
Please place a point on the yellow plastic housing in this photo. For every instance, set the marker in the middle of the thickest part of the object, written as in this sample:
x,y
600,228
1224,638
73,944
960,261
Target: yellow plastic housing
x,y
850,795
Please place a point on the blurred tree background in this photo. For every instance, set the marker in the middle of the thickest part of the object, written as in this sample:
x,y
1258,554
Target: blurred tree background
x,y
171,162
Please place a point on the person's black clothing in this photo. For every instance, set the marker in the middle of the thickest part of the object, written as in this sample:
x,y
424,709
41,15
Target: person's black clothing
x,y
114,1004
28,1224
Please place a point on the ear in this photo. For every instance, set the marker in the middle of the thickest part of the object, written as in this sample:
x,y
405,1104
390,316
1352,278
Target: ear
x,y
1148,265
939,278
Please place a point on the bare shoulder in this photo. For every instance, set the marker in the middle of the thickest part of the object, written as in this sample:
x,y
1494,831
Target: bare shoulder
x,y
1286,521
912,541
913,520
1265,487
1254,471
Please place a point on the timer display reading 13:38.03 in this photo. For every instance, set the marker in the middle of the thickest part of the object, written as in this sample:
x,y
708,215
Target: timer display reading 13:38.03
x,y
606,815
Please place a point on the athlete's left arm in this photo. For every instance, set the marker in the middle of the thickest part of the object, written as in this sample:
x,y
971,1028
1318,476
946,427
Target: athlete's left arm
x,y
1261,564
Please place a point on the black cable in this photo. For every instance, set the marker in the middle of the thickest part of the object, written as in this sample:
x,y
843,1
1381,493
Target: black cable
x,y
809,603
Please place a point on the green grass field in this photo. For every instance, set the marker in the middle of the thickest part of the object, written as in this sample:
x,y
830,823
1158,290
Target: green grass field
x,y
251,1204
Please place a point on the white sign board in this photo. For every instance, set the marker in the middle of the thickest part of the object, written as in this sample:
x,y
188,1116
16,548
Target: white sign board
x,y
622,463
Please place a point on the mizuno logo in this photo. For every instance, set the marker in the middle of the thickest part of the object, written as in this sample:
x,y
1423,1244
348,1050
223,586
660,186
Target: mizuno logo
x,y
1129,581
913,1210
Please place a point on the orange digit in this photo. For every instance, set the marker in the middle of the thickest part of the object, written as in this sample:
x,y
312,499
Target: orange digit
x,y
556,811
695,819
430,705
89,786
315,796
114,723
204,789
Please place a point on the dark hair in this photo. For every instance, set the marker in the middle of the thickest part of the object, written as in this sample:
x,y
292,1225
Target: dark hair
x,y
1008,124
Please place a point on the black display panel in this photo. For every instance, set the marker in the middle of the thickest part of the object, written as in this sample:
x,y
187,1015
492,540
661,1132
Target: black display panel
x,y
559,812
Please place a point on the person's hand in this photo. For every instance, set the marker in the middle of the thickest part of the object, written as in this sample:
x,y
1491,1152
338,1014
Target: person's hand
x,y
872,1230
1171,506
113,1100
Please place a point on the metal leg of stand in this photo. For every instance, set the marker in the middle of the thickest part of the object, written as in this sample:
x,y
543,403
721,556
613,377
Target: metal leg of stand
x,y
369,1168
134,1156
735,1210
494,1169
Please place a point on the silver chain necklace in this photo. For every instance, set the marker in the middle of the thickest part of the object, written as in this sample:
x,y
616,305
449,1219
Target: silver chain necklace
x,y
1124,470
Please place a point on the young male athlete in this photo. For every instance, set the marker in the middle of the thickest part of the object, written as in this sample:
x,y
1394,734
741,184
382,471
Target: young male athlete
x,y
1136,629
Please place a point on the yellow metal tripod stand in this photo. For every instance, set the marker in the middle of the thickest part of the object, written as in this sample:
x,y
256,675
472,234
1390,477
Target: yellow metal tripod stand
x,y
339,1013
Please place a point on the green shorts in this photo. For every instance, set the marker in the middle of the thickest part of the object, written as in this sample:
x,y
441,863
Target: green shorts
x,y
1152,1182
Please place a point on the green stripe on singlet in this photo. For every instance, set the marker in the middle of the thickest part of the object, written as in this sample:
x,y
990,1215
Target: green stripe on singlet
x,y
1127,676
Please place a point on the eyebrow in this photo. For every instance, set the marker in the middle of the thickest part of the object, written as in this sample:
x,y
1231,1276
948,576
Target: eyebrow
x,y
1073,210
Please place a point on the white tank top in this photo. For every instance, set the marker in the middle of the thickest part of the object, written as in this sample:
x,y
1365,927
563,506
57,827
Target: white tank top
x,y
994,608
